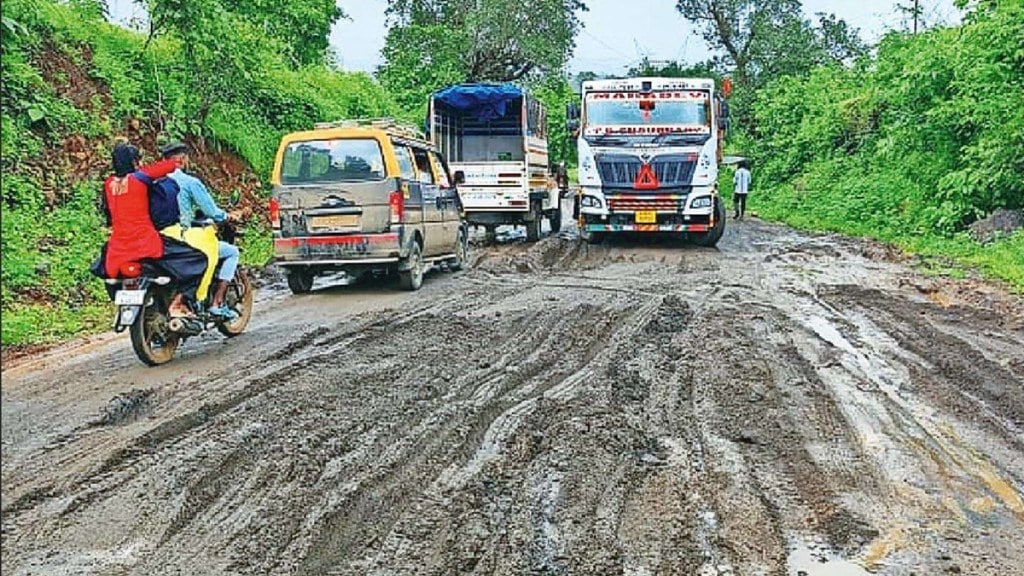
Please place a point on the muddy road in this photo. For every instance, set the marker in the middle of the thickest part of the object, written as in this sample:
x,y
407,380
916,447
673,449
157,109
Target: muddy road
x,y
787,404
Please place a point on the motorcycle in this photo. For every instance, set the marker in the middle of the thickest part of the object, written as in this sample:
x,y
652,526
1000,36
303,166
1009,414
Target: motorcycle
x,y
142,308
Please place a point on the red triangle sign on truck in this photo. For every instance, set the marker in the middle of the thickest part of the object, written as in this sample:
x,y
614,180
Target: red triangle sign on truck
x,y
646,179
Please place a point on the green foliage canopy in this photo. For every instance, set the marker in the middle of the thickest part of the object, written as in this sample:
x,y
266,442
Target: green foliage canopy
x,y
433,43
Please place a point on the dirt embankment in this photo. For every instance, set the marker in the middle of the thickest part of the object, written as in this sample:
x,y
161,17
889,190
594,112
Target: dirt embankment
x,y
784,405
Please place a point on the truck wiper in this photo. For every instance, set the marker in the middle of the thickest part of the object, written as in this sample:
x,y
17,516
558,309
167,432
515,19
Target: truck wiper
x,y
685,138
608,139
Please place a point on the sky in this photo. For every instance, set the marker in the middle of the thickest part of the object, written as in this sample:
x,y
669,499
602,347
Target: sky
x,y
616,33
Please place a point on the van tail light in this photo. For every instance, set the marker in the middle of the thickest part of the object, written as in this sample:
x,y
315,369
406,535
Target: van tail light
x,y
275,214
396,201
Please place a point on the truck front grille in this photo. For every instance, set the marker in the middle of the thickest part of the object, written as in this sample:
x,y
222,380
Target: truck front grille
x,y
671,170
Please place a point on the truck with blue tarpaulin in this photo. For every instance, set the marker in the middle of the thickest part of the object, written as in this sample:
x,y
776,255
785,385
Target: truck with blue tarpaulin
x,y
494,137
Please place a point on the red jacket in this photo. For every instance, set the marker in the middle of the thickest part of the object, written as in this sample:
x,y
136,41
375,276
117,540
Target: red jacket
x,y
133,237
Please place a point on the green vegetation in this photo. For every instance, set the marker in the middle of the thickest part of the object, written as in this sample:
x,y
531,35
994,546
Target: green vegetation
x,y
909,147
73,82
431,45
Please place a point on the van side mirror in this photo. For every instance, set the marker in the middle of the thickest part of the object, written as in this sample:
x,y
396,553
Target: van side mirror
x,y
460,177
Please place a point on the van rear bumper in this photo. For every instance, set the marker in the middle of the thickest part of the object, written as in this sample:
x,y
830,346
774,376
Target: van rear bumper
x,y
338,250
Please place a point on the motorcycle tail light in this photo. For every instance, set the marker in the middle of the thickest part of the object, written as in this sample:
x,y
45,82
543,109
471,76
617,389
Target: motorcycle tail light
x,y
131,270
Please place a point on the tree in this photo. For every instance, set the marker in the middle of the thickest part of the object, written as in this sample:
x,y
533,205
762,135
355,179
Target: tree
x,y
765,39
299,28
434,43
674,69
302,25
488,40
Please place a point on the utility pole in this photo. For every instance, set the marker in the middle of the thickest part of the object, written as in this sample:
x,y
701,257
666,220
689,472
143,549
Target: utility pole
x,y
917,14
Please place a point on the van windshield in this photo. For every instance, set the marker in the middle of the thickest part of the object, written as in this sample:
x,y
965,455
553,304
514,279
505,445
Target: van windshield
x,y
339,160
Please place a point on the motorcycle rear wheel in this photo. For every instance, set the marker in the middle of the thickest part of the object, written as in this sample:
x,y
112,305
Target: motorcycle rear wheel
x,y
239,298
152,340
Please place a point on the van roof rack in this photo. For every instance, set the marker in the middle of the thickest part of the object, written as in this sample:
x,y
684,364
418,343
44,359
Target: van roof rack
x,y
388,124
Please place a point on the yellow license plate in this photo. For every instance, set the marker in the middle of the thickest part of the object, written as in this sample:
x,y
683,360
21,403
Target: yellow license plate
x,y
336,221
646,217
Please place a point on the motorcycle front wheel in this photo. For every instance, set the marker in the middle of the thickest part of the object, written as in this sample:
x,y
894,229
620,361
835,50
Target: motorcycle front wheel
x,y
152,341
239,298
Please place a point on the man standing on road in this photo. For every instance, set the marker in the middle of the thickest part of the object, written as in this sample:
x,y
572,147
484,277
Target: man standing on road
x,y
741,182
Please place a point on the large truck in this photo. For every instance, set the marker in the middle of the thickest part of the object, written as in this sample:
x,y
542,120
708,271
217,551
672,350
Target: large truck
x,y
649,151
494,137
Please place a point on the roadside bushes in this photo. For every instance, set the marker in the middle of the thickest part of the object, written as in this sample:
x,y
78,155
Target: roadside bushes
x,y
909,146
73,82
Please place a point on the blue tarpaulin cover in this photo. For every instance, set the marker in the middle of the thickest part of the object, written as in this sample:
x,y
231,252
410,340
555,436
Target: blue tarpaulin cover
x,y
483,101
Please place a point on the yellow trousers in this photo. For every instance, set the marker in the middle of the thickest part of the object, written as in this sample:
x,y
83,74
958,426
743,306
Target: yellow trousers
x,y
204,239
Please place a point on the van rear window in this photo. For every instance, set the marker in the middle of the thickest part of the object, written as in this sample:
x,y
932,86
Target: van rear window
x,y
340,160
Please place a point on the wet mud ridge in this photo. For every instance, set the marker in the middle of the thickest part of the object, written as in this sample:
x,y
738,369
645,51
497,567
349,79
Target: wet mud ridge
x,y
785,405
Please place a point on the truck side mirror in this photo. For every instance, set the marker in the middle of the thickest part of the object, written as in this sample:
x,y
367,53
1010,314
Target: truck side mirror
x,y
572,111
460,177
572,126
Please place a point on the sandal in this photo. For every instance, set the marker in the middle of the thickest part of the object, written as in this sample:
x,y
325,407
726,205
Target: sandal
x,y
224,312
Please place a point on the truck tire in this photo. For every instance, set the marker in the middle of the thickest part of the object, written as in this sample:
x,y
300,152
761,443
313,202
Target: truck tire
x,y
300,281
412,279
556,220
710,238
592,237
533,225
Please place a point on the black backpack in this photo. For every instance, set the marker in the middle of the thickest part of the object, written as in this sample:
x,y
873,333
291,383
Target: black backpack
x,y
163,200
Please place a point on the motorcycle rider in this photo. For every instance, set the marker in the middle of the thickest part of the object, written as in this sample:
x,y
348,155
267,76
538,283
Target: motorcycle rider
x,y
196,202
133,237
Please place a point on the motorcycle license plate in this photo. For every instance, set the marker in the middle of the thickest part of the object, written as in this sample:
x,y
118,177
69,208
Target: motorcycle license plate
x,y
130,297
646,217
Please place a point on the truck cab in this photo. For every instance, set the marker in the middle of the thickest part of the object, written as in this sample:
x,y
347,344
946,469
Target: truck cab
x,y
495,137
649,150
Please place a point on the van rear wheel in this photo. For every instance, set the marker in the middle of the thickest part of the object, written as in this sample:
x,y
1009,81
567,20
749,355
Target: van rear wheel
x,y
300,281
459,262
412,278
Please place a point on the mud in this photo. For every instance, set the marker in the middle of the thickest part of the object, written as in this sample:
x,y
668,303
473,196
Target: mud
x,y
787,404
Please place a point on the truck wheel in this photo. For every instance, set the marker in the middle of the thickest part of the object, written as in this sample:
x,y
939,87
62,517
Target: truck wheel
x,y
533,226
592,237
490,234
556,221
300,281
412,278
710,238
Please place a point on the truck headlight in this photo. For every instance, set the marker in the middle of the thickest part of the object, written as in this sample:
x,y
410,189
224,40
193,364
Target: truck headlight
x,y
591,202
702,202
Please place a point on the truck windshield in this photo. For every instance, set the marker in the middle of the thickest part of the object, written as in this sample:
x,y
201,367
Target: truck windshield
x,y
655,113
340,160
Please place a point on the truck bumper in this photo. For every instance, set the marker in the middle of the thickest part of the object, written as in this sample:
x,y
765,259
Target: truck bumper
x,y
646,227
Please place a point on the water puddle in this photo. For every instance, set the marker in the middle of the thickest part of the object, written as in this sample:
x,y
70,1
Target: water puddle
x,y
811,560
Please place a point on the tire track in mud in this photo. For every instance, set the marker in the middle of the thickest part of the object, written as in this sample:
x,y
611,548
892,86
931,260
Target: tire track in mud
x,y
568,409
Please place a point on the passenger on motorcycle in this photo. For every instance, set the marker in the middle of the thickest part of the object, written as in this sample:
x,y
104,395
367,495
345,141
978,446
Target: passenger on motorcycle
x,y
133,237
195,204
